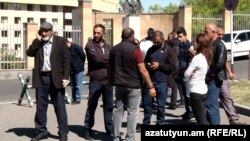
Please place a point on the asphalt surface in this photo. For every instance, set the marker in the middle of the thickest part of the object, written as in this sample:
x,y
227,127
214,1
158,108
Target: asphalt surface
x,y
17,122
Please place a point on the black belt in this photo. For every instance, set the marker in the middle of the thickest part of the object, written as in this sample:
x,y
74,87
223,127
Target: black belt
x,y
46,73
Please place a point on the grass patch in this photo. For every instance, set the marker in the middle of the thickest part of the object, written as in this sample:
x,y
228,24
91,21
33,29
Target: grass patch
x,y
240,91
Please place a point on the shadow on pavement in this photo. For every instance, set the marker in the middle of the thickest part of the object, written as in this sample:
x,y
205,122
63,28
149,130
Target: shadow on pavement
x,y
29,132
97,135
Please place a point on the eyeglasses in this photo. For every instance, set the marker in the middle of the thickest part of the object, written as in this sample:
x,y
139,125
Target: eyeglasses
x,y
220,34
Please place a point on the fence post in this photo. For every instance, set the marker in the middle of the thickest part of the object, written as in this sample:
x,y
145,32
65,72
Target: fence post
x,y
185,19
249,65
29,35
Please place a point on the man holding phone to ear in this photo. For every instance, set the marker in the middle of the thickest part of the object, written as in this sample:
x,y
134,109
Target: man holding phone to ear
x,y
50,77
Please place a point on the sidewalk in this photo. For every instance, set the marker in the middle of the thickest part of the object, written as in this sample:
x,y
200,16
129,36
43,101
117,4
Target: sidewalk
x,y
17,122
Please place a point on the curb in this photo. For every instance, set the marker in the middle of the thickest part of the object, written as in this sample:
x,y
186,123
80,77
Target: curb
x,y
242,109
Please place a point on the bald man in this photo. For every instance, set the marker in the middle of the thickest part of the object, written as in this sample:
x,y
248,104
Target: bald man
x,y
215,75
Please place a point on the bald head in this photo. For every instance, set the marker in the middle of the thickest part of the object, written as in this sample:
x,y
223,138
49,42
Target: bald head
x,y
211,30
127,33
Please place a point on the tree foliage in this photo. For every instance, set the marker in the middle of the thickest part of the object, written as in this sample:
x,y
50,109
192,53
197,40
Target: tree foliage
x,y
214,6
201,7
171,8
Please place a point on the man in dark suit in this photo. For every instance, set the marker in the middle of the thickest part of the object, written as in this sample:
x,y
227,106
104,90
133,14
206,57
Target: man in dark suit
x,y
50,76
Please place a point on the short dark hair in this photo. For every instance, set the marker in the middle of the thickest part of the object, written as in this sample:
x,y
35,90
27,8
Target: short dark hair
x,y
150,34
159,33
101,26
127,33
181,30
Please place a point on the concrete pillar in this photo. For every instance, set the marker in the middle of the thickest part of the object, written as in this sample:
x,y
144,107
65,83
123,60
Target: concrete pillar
x,y
133,22
85,19
185,19
226,24
29,36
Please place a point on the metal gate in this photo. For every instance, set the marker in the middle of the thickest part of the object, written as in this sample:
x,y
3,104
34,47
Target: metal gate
x,y
199,22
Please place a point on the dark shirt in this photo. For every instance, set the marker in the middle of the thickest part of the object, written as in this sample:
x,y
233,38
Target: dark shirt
x,y
77,58
124,58
156,54
98,61
184,58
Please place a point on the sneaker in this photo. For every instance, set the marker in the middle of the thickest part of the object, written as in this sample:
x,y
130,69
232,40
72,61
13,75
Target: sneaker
x,y
76,102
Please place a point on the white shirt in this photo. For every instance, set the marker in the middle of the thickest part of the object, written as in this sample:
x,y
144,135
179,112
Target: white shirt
x,y
196,73
46,55
144,46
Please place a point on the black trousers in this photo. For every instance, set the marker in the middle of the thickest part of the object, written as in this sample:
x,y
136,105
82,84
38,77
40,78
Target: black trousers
x,y
199,108
57,96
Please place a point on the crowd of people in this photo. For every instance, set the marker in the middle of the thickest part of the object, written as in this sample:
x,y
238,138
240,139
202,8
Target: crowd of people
x,y
137,72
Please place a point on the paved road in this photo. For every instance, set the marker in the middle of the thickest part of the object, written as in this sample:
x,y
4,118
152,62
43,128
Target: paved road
x,y
17,121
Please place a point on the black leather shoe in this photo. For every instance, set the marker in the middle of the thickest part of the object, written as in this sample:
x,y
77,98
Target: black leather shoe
x,y
89,138
40,136
63,138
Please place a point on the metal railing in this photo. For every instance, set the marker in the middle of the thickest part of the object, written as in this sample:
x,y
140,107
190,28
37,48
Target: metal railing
x,y
12,49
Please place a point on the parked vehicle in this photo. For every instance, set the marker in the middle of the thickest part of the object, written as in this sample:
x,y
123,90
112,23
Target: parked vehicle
x,y
241,43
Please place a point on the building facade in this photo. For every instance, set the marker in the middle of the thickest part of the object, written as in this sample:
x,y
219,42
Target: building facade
x,y
14,13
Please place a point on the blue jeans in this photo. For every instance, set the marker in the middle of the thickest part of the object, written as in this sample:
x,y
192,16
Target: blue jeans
x,y
77,86
212,103
95,90
161,95
131,98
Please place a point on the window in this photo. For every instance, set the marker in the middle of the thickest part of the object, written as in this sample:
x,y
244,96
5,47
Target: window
x,y
242,37
42,20
54,8
43,8
4,45
67,22
30,20
4,33
4,20
108,23
17,33
17,47
3,6
17,6
55,21
30,7
17,20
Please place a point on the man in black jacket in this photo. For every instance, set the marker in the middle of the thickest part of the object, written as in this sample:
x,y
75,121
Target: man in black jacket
x,y
50,77
215,75
76,74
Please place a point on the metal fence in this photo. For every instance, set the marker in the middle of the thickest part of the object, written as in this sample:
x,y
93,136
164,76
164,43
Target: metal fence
x,y
241,21
12,46
199,22
12,50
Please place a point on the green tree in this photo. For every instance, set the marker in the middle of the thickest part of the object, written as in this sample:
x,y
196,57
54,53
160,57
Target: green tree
x,y
171,8
155,9
214,6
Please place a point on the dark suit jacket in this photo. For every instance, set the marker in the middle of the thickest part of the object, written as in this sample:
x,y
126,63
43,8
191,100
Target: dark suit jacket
x,y
78,58
59,60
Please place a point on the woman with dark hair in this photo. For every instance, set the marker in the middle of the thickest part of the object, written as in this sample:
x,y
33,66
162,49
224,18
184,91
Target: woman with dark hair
x,y
195,76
